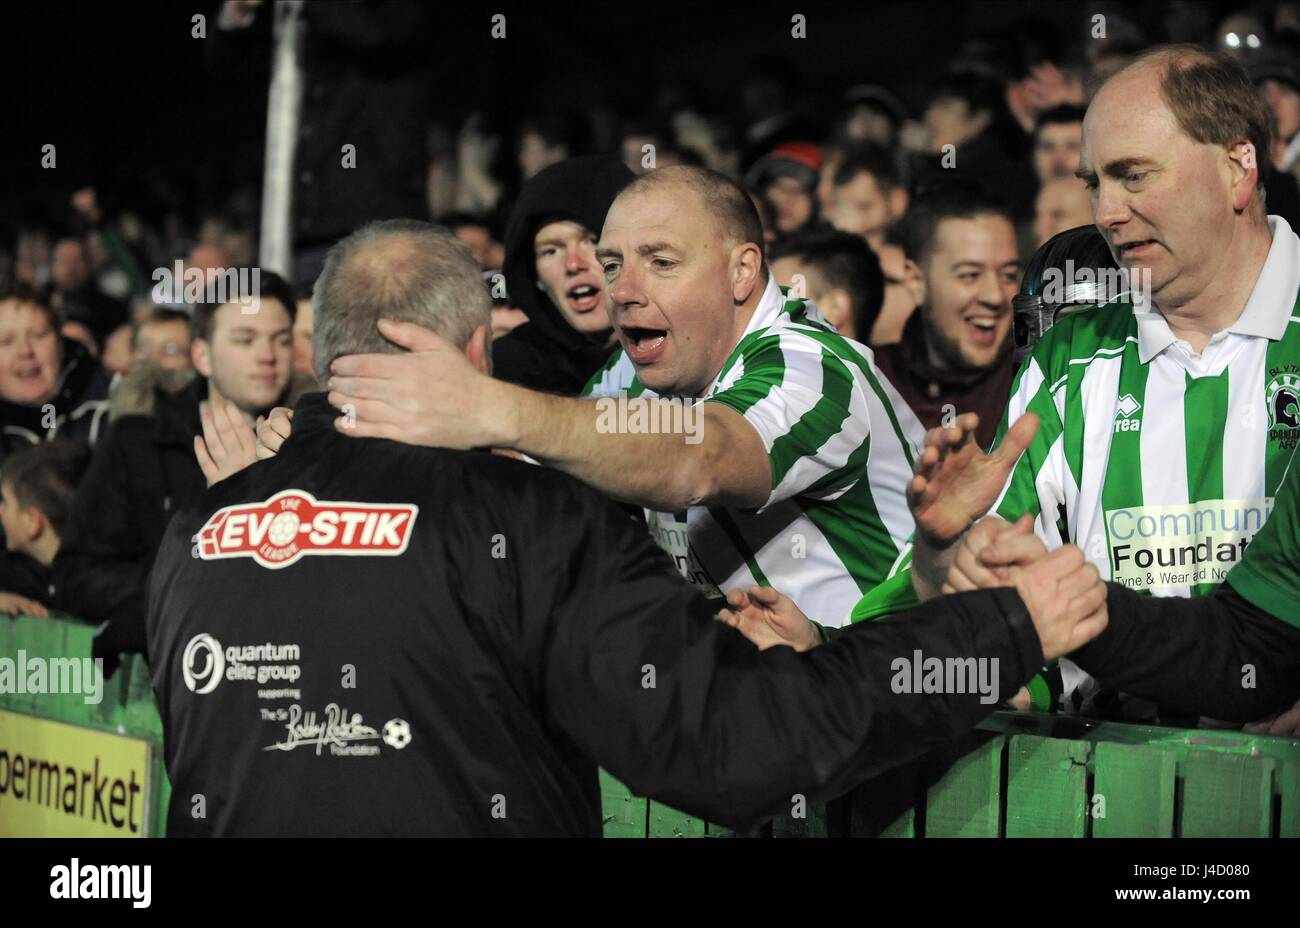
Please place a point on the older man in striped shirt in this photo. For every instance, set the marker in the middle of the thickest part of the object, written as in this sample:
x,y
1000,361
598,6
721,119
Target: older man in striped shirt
x,y
1166,422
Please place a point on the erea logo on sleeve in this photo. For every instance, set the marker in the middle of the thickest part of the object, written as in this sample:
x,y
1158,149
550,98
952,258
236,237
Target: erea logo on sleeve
x,y
293,524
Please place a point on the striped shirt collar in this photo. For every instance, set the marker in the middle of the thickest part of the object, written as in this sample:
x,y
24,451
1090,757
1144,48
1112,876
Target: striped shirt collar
x,y
1267,311
769,308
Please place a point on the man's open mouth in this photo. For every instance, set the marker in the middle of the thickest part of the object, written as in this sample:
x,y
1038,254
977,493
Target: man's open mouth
x,y
583,297
982,330
644,345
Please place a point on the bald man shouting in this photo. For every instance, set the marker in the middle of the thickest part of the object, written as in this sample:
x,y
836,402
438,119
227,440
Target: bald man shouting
x,y
765,448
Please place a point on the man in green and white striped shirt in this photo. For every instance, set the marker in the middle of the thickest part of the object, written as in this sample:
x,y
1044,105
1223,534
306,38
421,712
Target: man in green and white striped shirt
x,y
765,446
1165,428
840,444
823,515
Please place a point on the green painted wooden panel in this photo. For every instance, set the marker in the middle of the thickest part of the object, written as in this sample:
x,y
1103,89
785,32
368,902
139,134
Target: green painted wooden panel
x,y
966,801
1136,787
1046,787
7,649
1226,795
667,822
29,636
77,641
1289,786
623,815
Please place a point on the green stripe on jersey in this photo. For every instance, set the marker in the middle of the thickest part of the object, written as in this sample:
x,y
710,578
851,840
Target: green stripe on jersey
x,y
759,376
838,471
845,351
818,425
1269,575
1282,360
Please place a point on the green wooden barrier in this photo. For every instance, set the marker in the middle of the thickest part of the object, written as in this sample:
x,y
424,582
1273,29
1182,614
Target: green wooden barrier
x,y
965,788
1017,774
1027,774
1136,786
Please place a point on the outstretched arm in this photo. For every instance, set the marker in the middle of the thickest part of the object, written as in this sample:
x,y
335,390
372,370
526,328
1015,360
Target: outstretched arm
x,y
432,395
683,709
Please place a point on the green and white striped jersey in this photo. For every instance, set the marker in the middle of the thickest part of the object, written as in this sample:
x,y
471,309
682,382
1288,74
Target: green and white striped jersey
x,y
1160,463
1269,576
841,444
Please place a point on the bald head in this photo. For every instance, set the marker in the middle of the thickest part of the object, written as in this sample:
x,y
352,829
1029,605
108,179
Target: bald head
x,y
722,198
1209,96
397,269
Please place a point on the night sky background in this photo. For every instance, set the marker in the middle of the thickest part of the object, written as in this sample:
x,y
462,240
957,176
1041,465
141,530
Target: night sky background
x,y
151,116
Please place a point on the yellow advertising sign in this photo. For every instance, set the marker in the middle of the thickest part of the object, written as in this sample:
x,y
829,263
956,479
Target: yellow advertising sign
x,y
65,781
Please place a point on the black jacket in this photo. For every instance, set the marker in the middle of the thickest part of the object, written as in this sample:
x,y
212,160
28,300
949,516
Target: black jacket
x,y
470,663
79,405
546,353
143,470
1189,656
80,413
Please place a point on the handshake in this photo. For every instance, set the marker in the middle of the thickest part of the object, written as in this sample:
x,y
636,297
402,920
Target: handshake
x,y
1063,593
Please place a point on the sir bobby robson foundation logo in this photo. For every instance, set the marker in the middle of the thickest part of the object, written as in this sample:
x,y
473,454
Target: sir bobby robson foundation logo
x,y
293,524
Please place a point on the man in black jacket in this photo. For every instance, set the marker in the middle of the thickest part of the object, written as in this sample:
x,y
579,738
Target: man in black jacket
x,y
363,637
144,468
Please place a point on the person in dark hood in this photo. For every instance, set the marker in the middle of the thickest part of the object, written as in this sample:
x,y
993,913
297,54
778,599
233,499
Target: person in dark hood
x,y
553,276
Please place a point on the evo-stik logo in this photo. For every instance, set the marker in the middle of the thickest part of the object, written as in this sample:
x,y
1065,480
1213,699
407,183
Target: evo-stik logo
x,y
88,881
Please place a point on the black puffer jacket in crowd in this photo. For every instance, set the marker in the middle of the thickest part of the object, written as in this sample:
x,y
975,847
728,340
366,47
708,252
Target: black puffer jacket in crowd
x,y
143,470
546,353
80,407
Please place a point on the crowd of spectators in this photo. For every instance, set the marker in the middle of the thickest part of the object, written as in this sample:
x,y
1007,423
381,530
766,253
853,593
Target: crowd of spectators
x,y
906,221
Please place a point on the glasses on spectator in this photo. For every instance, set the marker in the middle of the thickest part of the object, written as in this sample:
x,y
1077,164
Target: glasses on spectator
x,y
165,350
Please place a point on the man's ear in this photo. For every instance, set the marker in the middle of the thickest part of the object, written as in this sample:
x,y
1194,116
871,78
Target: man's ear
x,y
201,356
837,307
746,271
897,203
33,522
914,280
479,349
1244,163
